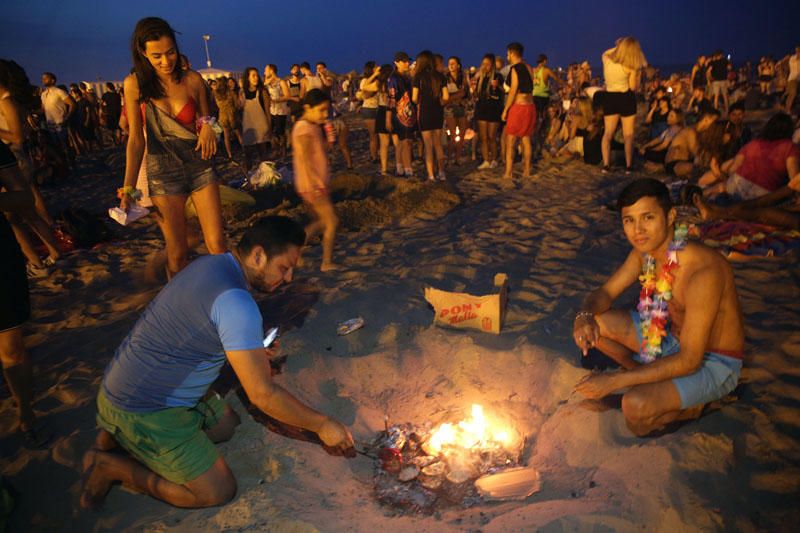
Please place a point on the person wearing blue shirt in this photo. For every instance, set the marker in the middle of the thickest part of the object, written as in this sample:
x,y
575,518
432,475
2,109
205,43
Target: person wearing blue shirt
x,y
154,401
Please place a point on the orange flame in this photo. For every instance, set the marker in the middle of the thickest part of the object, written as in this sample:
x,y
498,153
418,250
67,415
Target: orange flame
x,y
473,432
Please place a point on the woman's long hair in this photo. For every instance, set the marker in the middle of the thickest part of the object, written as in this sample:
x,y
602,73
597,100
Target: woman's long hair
x,y
628,53
369,68
490,75
16,82
383,77
459,80
151,29
246,77
222,88
712,142
426,75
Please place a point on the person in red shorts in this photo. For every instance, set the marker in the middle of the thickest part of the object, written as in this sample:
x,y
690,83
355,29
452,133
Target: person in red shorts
x,y
520,112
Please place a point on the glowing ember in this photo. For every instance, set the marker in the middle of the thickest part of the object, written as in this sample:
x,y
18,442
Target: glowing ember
x,y
474,432
420,470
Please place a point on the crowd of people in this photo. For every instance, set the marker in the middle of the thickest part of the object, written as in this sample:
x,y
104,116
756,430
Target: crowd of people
x,y
155,402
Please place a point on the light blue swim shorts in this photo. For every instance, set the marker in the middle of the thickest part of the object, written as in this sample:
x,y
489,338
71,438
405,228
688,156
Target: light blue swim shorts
x,y
718,376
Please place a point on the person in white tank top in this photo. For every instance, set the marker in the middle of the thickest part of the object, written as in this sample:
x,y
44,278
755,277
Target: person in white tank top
x,y
622,67
309,81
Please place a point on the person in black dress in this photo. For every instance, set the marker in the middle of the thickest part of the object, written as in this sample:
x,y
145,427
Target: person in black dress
x,y
488,108
429,93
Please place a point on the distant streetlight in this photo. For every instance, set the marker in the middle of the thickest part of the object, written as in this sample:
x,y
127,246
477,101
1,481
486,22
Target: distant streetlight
x,y
208,57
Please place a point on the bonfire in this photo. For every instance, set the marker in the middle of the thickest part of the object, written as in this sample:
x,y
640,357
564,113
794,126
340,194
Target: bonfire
x,y
420,469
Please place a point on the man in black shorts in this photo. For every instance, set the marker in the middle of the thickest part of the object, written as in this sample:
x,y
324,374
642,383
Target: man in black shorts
x,y
401,121
112,108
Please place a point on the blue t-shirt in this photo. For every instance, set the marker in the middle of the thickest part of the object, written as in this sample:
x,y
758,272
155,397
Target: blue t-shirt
x,y
177,347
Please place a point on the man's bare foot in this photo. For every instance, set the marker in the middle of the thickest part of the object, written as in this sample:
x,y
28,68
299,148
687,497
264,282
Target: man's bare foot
x,y
507,176
94,484
326,267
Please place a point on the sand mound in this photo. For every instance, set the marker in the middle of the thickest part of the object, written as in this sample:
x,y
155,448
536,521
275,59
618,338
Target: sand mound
x,y
364,201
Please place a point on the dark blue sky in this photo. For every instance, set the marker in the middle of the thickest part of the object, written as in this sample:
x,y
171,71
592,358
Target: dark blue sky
x,y
80,40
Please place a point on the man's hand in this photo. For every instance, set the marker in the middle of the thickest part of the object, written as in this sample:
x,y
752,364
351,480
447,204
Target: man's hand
x,y
335,435
596,386
586,332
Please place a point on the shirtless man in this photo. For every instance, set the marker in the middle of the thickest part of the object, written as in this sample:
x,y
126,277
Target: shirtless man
x,y
701,354
683,150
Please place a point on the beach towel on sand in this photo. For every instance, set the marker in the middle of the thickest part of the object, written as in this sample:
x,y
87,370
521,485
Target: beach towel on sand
x,y
743,240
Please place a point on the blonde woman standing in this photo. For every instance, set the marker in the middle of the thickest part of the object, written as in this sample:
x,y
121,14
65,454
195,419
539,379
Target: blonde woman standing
x,y
622,73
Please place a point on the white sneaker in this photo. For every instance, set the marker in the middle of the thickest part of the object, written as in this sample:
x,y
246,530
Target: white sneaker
x,y
493,164
442,176
484,165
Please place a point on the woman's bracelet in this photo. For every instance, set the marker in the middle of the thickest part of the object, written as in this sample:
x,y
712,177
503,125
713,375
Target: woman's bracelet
x,y
584,314
202,121
130,192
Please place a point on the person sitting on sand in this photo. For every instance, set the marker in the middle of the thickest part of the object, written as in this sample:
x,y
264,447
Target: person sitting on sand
x,y
683,347
762,210
154,401
684,148
657,116
737,131
311,175
655,151
762,166
698,105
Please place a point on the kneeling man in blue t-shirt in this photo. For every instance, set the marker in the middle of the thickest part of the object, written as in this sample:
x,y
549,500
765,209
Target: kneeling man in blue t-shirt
x,y
154,401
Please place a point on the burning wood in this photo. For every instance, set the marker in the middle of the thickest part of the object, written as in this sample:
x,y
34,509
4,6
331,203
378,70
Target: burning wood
x,y
419,469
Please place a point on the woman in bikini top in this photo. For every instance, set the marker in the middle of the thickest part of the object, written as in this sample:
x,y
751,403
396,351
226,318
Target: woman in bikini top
x,y
172,105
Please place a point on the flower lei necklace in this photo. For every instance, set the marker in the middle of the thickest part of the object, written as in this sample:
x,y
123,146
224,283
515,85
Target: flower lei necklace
x,y
654,296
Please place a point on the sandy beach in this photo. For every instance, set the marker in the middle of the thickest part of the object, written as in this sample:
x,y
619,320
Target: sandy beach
x,y
736,468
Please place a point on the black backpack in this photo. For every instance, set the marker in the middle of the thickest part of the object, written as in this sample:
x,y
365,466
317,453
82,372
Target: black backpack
x,y
85,228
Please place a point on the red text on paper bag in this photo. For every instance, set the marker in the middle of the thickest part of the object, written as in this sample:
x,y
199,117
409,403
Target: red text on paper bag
x,y
462,310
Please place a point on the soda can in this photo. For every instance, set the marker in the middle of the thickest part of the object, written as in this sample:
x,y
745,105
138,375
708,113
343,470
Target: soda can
x,y
349,326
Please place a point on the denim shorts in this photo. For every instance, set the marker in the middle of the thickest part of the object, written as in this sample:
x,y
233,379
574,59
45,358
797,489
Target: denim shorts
x,y
718,376
167,177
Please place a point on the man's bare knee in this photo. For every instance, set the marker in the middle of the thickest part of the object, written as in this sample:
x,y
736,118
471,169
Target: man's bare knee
x,y
613,326
634,406
220,493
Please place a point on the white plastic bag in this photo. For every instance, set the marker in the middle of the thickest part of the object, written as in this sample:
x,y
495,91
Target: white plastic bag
x,y
135,212
264,175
